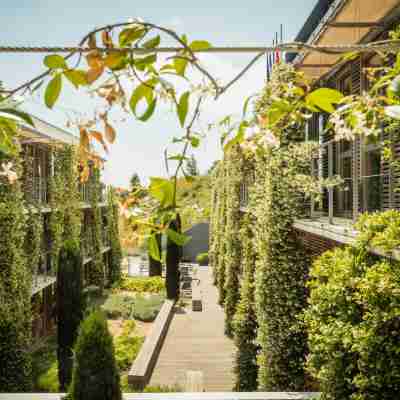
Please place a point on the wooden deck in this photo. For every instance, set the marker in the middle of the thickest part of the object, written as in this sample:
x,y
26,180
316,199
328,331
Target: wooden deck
x,y
196,342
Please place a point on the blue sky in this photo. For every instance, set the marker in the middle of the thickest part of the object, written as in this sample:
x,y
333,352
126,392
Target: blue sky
x,y
140,146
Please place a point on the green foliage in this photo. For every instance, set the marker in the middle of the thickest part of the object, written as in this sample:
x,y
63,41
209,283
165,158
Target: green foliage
x,y
48,381
97,270
245,321
234,178
202,258
15,289
44,366
65,218
114,272
146,308
127,346
162,190
353,318
95,375
53,90
119,306
282,269
142,285
69,308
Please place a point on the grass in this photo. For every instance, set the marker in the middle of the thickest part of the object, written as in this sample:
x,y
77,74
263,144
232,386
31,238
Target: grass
x,y
44,365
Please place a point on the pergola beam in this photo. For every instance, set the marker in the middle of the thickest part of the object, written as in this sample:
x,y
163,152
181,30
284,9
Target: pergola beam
x,y
354,24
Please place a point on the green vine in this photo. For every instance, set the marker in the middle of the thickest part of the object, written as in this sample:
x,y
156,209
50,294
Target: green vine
x,y
245,321
15,288
234,178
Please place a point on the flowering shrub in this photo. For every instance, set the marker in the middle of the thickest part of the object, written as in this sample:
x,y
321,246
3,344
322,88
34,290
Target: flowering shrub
x,y
354,316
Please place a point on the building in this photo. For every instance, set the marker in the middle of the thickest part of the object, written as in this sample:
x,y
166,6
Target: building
x,y
37,147
370,183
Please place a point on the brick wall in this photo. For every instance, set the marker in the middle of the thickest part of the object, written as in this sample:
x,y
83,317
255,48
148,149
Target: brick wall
x,y
316,245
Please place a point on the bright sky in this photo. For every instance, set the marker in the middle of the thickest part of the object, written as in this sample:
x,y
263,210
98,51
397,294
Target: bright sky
x,y
139,146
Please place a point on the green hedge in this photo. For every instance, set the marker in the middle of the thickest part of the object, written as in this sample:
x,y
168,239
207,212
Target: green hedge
x,y
154,284
354,316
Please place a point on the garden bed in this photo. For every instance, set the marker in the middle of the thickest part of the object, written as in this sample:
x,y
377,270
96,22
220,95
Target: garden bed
x,y
130,310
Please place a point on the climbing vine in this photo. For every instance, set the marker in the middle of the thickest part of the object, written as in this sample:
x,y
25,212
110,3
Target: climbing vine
x,y
234,179
245,321
65,217
15,287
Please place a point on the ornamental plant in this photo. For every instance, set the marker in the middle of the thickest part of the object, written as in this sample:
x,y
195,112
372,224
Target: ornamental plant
x,y
353,316
95,373
114,272
69,308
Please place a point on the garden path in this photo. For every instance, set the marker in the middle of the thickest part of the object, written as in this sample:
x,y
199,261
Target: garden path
x,y
196,342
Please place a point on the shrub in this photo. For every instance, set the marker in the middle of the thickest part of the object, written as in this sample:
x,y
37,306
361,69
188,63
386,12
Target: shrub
x,y
354,319
69,309
141,285
127,346
118,306
202,258
48,381
147,308
95,374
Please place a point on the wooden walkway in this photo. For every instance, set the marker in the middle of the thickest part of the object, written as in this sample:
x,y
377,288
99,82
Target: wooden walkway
x,y
196,342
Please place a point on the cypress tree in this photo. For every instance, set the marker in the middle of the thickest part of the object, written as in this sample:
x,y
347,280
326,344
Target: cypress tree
x,y
174,253
15,290
114,272
155,266
69,309
95,373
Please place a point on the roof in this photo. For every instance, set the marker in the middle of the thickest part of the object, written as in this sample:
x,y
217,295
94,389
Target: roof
x,y
311,24
46,132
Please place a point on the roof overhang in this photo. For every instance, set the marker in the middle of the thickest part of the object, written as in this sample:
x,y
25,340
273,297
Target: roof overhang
x,y
346,22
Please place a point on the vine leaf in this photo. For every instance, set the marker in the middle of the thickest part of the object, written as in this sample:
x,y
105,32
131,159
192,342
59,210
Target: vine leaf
x,y
17,113
324,98
153,248
200,45
162,190
149,112
195,141
76,77
130,35
55,61
115,60
152,43
53,91
180,65
178,238
142,91
183,107
99,137
110,133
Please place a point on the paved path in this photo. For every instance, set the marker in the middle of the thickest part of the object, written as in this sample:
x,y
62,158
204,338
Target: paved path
x,y
195,341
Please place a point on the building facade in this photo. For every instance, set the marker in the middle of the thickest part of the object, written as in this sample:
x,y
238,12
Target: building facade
x,y
38,146
370,182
